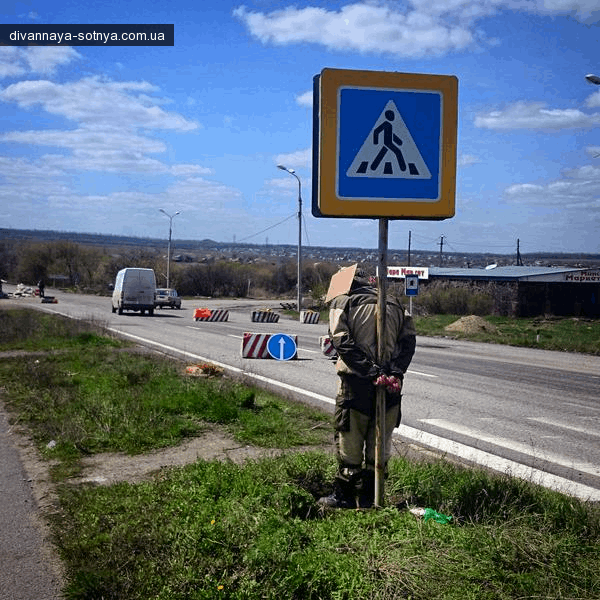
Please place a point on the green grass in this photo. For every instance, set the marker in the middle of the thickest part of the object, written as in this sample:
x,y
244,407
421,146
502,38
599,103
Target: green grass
x,y
565,334
23,329
254,531
99,398
214,530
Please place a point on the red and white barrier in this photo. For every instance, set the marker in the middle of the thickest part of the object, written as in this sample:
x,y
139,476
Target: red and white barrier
x,y
309,316
254,345
207,314
264,316
327,347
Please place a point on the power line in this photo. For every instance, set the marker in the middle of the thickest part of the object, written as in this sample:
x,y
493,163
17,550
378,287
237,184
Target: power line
x,y
292,216
305,230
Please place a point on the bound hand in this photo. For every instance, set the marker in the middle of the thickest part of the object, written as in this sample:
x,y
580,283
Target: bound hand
x,y
393,385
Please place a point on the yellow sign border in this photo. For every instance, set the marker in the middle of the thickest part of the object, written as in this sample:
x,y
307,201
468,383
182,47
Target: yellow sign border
x,y
328,202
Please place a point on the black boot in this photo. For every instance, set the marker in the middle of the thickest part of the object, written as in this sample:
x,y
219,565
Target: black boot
x,y
344,490
367,489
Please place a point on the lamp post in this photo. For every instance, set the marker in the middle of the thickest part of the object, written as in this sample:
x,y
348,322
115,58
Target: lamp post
x,y
169,246
299,295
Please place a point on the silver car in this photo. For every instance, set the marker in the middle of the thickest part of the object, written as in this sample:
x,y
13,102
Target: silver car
x,y
167,297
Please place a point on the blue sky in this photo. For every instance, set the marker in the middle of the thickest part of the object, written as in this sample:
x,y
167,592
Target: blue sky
x,y
98,139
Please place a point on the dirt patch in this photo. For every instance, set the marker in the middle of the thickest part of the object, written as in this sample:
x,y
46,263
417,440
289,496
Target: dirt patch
x,y
470,325
216,444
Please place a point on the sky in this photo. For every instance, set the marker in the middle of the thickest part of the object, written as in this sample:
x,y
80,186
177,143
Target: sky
x,y
100,138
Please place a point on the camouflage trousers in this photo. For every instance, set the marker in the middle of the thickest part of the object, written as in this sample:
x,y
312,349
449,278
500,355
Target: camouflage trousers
x,y
355,445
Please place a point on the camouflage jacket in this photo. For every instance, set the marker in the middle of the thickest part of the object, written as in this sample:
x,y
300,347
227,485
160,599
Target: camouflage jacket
x,y
353,331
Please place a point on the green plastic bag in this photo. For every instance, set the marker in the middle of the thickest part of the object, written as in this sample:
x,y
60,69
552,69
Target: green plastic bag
x,y
436,516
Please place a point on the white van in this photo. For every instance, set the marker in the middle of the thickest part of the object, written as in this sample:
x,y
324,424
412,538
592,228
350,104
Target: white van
x,y
135,289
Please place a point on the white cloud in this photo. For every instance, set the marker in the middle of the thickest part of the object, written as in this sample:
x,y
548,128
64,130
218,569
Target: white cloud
x,y
45,59
594,151
108,150
97,103
301,159
305,99
593,101
579,189
110,118
185,170
11,64
583,10
466,160
364,27
16,61
535,115
86,140
411,29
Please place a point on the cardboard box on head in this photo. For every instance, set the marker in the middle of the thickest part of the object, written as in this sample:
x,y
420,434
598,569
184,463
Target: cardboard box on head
x,y
341,282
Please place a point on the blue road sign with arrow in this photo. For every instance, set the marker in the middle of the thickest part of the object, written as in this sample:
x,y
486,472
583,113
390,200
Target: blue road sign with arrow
x,y
282,347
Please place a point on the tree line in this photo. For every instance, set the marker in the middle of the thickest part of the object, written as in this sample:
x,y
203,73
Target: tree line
x,y
89,269
66,264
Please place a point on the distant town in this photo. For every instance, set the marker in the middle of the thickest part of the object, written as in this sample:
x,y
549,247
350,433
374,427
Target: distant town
x,y
209,250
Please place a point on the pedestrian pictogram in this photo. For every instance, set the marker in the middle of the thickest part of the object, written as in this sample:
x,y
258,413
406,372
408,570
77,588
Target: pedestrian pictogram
x,y
389,150
384,144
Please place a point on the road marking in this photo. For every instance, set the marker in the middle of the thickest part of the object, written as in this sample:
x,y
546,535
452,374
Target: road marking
x,y
502,465
422,374
444,445
594,432
589,468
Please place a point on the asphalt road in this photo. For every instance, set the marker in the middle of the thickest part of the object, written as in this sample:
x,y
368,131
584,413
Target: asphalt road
x,y
533,413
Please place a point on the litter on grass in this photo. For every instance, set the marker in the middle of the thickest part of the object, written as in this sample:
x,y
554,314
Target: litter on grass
x,y
430,513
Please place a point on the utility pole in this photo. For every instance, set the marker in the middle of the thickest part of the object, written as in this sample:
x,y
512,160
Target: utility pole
x,y
409,234
171,217
441,250
299,291
519,259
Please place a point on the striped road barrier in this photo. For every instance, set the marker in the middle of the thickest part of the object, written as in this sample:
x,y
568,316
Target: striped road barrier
x,y
327,347
254,345
309,316
264,316
207,314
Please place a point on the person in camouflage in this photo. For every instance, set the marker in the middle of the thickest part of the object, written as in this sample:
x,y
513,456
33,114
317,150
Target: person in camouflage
x,y
353,332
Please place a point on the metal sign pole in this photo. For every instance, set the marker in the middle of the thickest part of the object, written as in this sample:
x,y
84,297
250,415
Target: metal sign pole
x,y
380,396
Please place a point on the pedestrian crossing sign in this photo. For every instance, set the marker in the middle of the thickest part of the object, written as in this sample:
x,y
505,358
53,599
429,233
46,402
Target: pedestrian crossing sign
x,y
384,145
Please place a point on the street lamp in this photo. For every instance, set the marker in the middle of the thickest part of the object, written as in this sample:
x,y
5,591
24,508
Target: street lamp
x,y
299,296
169,246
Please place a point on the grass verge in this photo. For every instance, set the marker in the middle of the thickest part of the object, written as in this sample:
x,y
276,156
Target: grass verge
x,y
93,394
220,530
212,530
563,334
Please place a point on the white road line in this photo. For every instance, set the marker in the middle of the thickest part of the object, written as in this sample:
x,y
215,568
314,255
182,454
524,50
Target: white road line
x,y
502,465
585,467
191,355
473,455
422,374
595,432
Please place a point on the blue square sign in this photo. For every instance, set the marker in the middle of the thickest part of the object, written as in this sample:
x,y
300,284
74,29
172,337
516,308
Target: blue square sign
x,y
384,144
389,144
